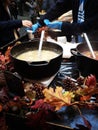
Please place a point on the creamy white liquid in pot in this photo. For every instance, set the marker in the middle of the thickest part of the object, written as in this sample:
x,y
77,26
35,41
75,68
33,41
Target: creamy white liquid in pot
x,y
45,55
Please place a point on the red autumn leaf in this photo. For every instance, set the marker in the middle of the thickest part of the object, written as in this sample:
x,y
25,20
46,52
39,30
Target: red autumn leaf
x,y
91,81
40,104
85,98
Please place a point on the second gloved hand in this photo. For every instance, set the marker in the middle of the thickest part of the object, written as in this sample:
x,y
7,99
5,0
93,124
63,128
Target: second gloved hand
x,y
35,27
54,25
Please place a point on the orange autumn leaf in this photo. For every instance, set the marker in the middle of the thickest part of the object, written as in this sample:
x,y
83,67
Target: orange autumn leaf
x,y
87,91
57,98
85,98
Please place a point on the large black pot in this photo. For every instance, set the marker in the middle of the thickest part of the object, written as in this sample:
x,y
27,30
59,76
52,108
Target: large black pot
x,y
40,69
85,64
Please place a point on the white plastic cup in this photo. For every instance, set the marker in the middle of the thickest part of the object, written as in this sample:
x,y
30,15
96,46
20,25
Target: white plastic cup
x,y
30,34
62,39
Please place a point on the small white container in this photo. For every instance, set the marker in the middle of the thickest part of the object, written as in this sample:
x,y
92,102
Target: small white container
x,y
30,34
62,39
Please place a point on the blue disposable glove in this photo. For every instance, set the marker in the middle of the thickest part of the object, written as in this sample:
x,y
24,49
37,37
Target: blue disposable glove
x,y
54,25
35,27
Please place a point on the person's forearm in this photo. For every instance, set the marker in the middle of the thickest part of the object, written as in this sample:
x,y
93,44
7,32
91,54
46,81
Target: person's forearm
x,y
57,10
10,24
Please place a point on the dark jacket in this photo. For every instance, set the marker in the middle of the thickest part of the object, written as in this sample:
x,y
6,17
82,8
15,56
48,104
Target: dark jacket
x,y
7,26
90,25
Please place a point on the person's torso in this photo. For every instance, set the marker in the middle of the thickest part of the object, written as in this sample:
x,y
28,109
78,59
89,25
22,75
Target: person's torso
x,y
6,35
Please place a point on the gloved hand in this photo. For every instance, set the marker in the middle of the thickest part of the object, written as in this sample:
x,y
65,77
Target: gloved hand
x,y
35,27
54,25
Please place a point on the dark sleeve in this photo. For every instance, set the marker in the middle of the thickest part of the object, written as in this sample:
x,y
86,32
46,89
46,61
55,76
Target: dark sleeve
x,y
78,28
91,20
61,7
10,24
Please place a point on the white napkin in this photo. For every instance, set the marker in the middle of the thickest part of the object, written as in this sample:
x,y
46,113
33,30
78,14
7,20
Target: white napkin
x,y
65,45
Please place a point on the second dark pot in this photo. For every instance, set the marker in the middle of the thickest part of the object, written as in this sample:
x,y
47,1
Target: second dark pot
x,y
86,65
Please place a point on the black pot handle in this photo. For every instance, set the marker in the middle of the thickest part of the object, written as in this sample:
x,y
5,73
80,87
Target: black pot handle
x,y
41,63
74,52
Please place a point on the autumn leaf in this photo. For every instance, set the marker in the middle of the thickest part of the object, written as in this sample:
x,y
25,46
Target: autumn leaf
x,y
85,98
57,98
91,81
87,91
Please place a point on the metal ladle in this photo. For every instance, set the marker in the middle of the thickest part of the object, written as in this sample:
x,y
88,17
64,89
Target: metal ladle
x,y
89,45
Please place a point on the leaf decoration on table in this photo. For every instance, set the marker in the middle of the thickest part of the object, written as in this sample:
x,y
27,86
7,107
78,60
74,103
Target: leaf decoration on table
x,y
86,93
35,120
91,81
5,60
57,98
40,113
88,89
40,104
